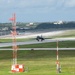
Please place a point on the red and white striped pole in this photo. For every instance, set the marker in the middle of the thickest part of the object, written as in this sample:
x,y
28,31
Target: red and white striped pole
x,y
14,33
15,67
57,62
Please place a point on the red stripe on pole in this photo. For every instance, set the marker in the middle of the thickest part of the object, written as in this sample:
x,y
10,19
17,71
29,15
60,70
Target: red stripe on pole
x,y
57,52
57,62
13,18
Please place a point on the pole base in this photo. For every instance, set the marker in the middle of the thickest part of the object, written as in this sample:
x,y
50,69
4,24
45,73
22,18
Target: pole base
x,y
17,68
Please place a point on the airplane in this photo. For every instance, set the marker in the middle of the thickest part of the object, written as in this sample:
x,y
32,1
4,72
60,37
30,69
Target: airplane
x,y
40,38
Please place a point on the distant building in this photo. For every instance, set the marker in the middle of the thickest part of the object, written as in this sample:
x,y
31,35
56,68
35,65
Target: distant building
x,y
59,22
30,24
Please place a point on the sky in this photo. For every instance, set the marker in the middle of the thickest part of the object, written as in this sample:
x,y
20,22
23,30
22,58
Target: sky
x,y
37,10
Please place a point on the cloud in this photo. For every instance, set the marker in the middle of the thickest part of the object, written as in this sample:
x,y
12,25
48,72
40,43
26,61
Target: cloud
x,y
36,6
69,3
35,2
26,3
37,9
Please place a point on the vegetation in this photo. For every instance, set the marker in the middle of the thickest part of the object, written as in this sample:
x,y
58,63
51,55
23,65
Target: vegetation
x,y
65,25
5,28
62,44
39,62
18,40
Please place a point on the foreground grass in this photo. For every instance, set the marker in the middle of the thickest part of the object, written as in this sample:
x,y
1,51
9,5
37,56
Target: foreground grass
x,y
39,62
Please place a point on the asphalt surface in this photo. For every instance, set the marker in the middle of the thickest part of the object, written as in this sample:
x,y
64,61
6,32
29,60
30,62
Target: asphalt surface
x,y
40,49
27,42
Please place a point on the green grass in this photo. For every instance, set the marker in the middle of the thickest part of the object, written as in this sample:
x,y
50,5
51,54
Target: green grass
x,y
62,44
39,62
18,40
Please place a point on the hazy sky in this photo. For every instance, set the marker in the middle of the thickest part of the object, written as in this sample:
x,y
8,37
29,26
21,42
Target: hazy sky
x,y
37,10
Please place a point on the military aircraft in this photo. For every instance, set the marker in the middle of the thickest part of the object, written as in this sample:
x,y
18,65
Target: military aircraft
x,y
40,38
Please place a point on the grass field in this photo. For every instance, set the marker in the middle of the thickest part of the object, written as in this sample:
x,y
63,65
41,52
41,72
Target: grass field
x,y
18,40
62,44
39,62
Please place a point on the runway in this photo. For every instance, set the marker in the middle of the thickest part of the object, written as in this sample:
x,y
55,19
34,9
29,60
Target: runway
x,y
39,49
37,42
